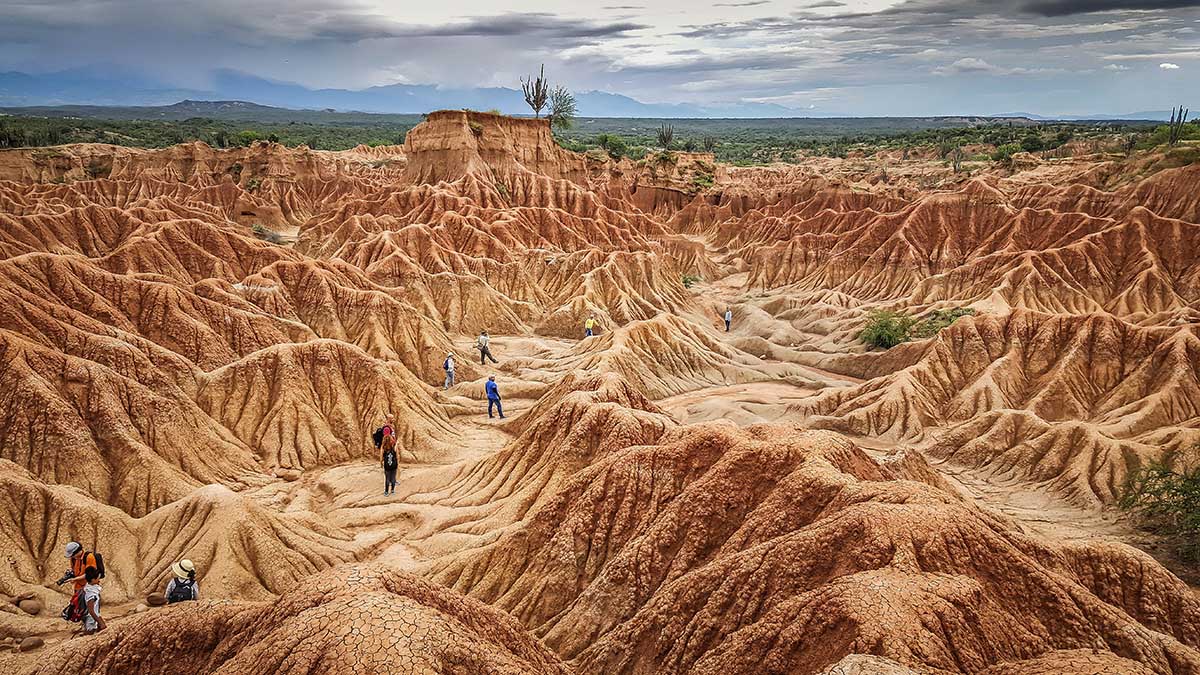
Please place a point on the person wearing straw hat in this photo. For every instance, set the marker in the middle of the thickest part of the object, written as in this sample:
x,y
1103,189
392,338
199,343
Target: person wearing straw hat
x,y
182,586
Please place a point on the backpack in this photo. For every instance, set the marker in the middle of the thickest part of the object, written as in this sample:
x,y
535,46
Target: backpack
x,y
378,437
446,364
389,459
181,591
99,563
74,611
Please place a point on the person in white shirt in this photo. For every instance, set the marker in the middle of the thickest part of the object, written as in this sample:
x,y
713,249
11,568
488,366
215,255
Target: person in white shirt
x,y
92,621
448,366
183,585
482,346
728,318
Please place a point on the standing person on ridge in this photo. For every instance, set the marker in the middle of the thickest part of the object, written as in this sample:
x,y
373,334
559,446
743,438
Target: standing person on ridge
x,y
448,366
390,462
482,346
589,326
728,318
493,396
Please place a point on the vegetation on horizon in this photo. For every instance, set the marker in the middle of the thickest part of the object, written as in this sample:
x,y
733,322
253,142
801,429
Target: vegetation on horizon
x,y
740,142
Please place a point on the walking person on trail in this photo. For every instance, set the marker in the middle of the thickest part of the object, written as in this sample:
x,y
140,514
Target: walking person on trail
x,y
182,587
493,396
390,460
388,429
80,562
482,346
728,318
589,326
448,366
92,621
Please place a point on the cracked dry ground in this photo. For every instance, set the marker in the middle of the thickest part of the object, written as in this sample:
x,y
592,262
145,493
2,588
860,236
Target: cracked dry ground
x,y
664,497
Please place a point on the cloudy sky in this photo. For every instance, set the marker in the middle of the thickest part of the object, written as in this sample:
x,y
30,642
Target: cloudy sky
x,y
859,57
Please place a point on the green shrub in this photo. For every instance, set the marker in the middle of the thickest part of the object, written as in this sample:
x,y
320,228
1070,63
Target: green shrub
x,y
247,137
690,280
253,184
613,144
1005,152
476,128
1166,500
937,320
886,329
1032,143
265,234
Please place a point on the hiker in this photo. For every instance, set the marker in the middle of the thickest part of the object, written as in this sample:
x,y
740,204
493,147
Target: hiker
x,y
182,587
589,326
448,366
92,621
728,318
493,395
79,562
482,346
390,462
388,429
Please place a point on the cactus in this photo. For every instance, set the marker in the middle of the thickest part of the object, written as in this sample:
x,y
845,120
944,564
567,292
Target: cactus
x,y
1175,130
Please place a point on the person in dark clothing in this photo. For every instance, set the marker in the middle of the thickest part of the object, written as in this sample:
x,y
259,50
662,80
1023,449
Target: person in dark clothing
x,y
388,429
493,396
390,461
482,346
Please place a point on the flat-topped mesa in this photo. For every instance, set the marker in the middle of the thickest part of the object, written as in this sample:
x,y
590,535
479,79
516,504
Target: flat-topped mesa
x,y
450,144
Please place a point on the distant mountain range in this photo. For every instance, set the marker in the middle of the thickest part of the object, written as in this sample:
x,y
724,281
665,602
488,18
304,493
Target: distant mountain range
x,y
1157,115
118,88
109,86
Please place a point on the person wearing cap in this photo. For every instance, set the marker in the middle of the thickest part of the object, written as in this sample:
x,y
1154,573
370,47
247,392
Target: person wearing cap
x,y
485,352
448,366
182,586
493,396
79,562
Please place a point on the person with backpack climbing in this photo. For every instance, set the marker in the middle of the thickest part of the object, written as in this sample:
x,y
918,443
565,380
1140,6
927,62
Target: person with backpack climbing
x,y
182,587
493,396
390,461
589,326
448,366
482,346
92,621
728,318
388,429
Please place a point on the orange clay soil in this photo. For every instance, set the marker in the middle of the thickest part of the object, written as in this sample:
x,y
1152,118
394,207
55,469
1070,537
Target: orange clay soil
x,y
664,497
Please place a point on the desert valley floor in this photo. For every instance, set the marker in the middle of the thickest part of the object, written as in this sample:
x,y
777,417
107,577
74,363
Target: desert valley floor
x,y
196,345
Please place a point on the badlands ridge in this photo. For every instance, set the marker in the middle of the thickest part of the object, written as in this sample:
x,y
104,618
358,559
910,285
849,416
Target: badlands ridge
x,y
664,497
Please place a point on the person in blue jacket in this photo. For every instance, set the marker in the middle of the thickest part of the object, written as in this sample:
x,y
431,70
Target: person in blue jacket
x,y
493,394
